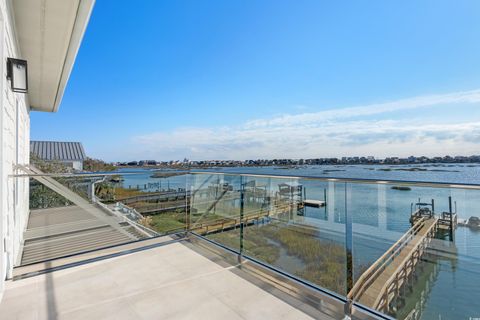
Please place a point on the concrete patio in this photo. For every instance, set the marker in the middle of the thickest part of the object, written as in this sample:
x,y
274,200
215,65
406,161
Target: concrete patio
x,y
168,282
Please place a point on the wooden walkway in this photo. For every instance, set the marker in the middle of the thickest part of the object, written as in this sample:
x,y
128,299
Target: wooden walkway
x,y
251,217
226,223
387,278
155,196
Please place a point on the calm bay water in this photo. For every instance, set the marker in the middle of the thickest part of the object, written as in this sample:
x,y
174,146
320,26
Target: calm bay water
x,y
449,173
450,287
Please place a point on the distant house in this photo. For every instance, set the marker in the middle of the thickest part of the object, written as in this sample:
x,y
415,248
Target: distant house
x,y
69,153
147,163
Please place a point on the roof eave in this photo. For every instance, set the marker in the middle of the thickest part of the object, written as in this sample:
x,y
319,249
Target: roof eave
x,y
50,33
83,16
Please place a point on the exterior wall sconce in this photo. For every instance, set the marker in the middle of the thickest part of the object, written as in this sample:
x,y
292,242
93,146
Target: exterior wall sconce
x,y
17,74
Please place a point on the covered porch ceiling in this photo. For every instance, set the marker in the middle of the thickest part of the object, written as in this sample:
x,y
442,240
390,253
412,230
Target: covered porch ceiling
x,y
49,33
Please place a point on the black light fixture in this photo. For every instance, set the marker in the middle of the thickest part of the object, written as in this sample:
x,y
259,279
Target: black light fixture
x,y
17,74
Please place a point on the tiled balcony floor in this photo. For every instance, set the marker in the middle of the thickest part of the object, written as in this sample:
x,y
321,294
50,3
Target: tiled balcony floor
x,y
168,282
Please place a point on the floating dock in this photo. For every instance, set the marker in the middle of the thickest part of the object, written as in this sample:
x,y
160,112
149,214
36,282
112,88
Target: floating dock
x,y
314,203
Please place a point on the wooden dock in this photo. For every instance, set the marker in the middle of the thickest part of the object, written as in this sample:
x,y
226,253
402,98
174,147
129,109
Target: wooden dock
x,y
164,196
227,223
314,203
224,224
387,278
383,285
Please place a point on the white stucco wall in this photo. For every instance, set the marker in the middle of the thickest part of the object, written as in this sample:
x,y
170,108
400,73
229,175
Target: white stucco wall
x,y
77,165
14,148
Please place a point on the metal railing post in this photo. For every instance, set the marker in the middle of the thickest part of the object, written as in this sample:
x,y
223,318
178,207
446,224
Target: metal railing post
x,y
242,204
348,253
188,206
451,218
347,309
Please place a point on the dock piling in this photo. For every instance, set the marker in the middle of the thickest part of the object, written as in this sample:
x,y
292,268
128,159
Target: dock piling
x,y
451,217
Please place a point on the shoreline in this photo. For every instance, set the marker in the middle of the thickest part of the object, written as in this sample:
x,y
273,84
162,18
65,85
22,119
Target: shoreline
x,y
299,166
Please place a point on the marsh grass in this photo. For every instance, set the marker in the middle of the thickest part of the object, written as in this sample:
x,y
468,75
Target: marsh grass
x,y
324,260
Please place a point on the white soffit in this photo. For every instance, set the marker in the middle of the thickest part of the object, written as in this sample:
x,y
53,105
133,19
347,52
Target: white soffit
x,y
49,34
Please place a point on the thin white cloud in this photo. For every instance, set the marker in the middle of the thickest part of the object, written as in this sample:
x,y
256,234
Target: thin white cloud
x,y
325,134
472,96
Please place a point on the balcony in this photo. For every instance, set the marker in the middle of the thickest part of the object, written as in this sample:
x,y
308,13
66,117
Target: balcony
x,y
211,245
167,282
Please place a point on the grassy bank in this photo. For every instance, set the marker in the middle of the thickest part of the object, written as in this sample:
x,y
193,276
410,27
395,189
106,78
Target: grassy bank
x,y
324,260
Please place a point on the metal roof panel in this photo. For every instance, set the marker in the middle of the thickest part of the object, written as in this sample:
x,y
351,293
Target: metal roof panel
x,y
54,150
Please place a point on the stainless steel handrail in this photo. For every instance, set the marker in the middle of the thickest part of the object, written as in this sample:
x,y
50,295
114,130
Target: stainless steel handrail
x,y
350,180
67,175
431,184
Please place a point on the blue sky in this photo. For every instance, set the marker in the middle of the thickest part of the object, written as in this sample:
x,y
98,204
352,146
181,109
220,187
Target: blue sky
x,y
246,79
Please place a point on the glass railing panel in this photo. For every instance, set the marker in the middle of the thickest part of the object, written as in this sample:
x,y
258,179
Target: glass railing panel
x,y
292,224
215,205
159,200
302,232
270,204
415,254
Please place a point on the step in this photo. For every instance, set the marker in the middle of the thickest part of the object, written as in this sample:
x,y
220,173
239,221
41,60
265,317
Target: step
x,y
41,256
62,229
79,241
